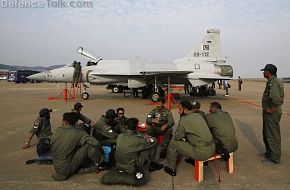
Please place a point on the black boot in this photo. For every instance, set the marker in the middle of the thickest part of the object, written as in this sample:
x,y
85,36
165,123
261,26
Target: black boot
x,y
171,172
155,166
163,153
104,166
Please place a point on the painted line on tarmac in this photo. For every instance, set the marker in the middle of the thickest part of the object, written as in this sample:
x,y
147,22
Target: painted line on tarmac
x,y
257,105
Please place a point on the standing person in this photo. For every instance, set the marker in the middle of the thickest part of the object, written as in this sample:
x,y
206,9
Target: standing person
x,y
77,72
134,158
192,138
71,149
160,122
42,129
121,116
226,87
222,127
240,82
271,104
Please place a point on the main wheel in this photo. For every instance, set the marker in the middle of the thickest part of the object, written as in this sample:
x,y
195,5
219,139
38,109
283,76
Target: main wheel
x,y
85,95
116,89
155,96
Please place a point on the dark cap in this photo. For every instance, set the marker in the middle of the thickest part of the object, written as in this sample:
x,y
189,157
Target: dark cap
x,y
78,106
110,113
44,111
186,104
196,105
271,68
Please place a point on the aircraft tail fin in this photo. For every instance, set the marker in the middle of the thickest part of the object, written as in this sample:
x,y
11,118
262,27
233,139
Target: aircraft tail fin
x,y
209,47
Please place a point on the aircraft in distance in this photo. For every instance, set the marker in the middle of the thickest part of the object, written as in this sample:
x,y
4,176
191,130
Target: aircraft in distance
x,y
201,66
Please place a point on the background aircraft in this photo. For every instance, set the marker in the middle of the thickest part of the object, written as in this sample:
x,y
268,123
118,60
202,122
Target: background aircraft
x,y
201,66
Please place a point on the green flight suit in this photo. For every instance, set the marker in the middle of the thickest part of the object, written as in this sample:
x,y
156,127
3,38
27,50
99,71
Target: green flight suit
x,y
223,130
192,139
71,147
41,128
77,73
165,117
132,150
273,97
107,134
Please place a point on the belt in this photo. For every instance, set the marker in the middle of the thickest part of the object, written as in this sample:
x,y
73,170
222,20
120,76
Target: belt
x,y
204,144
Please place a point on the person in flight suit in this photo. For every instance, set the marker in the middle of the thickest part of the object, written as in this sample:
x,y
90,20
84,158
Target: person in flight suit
x,y
272,101
160,122
192,138
87,123
121,116
71,149
196,108
42,129
222,127
134,158
77,72
106,132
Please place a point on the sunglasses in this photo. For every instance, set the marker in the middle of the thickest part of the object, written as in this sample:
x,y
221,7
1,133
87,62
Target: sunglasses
x,y
121,113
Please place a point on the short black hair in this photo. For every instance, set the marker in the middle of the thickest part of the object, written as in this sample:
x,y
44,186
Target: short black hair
x,y
120,109
216,105
186,104
132,123
71,117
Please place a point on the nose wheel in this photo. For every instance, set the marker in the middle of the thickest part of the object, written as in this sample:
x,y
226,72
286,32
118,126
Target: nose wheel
x,y
85,95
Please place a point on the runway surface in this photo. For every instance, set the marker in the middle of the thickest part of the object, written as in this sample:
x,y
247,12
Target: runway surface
x,y
20,104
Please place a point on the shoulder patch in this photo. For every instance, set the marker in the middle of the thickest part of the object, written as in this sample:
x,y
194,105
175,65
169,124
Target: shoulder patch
x,y
36,124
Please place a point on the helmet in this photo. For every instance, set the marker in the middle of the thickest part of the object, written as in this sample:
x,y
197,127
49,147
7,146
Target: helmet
x,y
44,111
78,106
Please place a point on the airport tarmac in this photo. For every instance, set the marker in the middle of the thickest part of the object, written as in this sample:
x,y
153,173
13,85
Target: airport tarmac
x,y
20,104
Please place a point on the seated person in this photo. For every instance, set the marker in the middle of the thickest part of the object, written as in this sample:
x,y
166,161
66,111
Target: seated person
x,y
160,122
134,158
192,138
106,132
72,148
222,127
121,116
42,129
87,123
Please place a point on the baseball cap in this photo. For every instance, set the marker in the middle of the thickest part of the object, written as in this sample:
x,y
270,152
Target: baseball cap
x,y
271,68
196,105
44,111
78,106
110,113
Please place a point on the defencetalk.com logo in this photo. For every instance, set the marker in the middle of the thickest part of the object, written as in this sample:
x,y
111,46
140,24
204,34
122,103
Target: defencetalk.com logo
x,y
46,4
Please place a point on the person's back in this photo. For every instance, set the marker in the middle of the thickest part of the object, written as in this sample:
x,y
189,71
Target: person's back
x,y
71,147
65,142
223,129
129,144
196,132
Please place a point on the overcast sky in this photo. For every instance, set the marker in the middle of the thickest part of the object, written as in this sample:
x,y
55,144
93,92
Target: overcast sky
x,y
253,32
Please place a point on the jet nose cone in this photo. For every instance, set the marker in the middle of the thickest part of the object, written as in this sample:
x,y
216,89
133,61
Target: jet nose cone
x,y
38,77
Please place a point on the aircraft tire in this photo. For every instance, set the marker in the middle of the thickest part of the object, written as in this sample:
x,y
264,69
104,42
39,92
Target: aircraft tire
x,y
85,95
116,89
155,96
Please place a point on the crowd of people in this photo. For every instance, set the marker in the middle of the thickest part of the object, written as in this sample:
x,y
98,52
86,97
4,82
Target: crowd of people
x,y
114,143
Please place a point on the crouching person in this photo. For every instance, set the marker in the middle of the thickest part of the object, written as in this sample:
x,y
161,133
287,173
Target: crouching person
x,y
134,158
72,148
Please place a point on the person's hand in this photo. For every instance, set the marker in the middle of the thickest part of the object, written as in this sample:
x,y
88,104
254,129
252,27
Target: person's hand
x,y
148,138
27,145
164,127
271,110
155,120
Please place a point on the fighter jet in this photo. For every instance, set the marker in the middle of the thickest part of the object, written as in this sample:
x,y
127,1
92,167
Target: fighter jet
x,y
201,66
